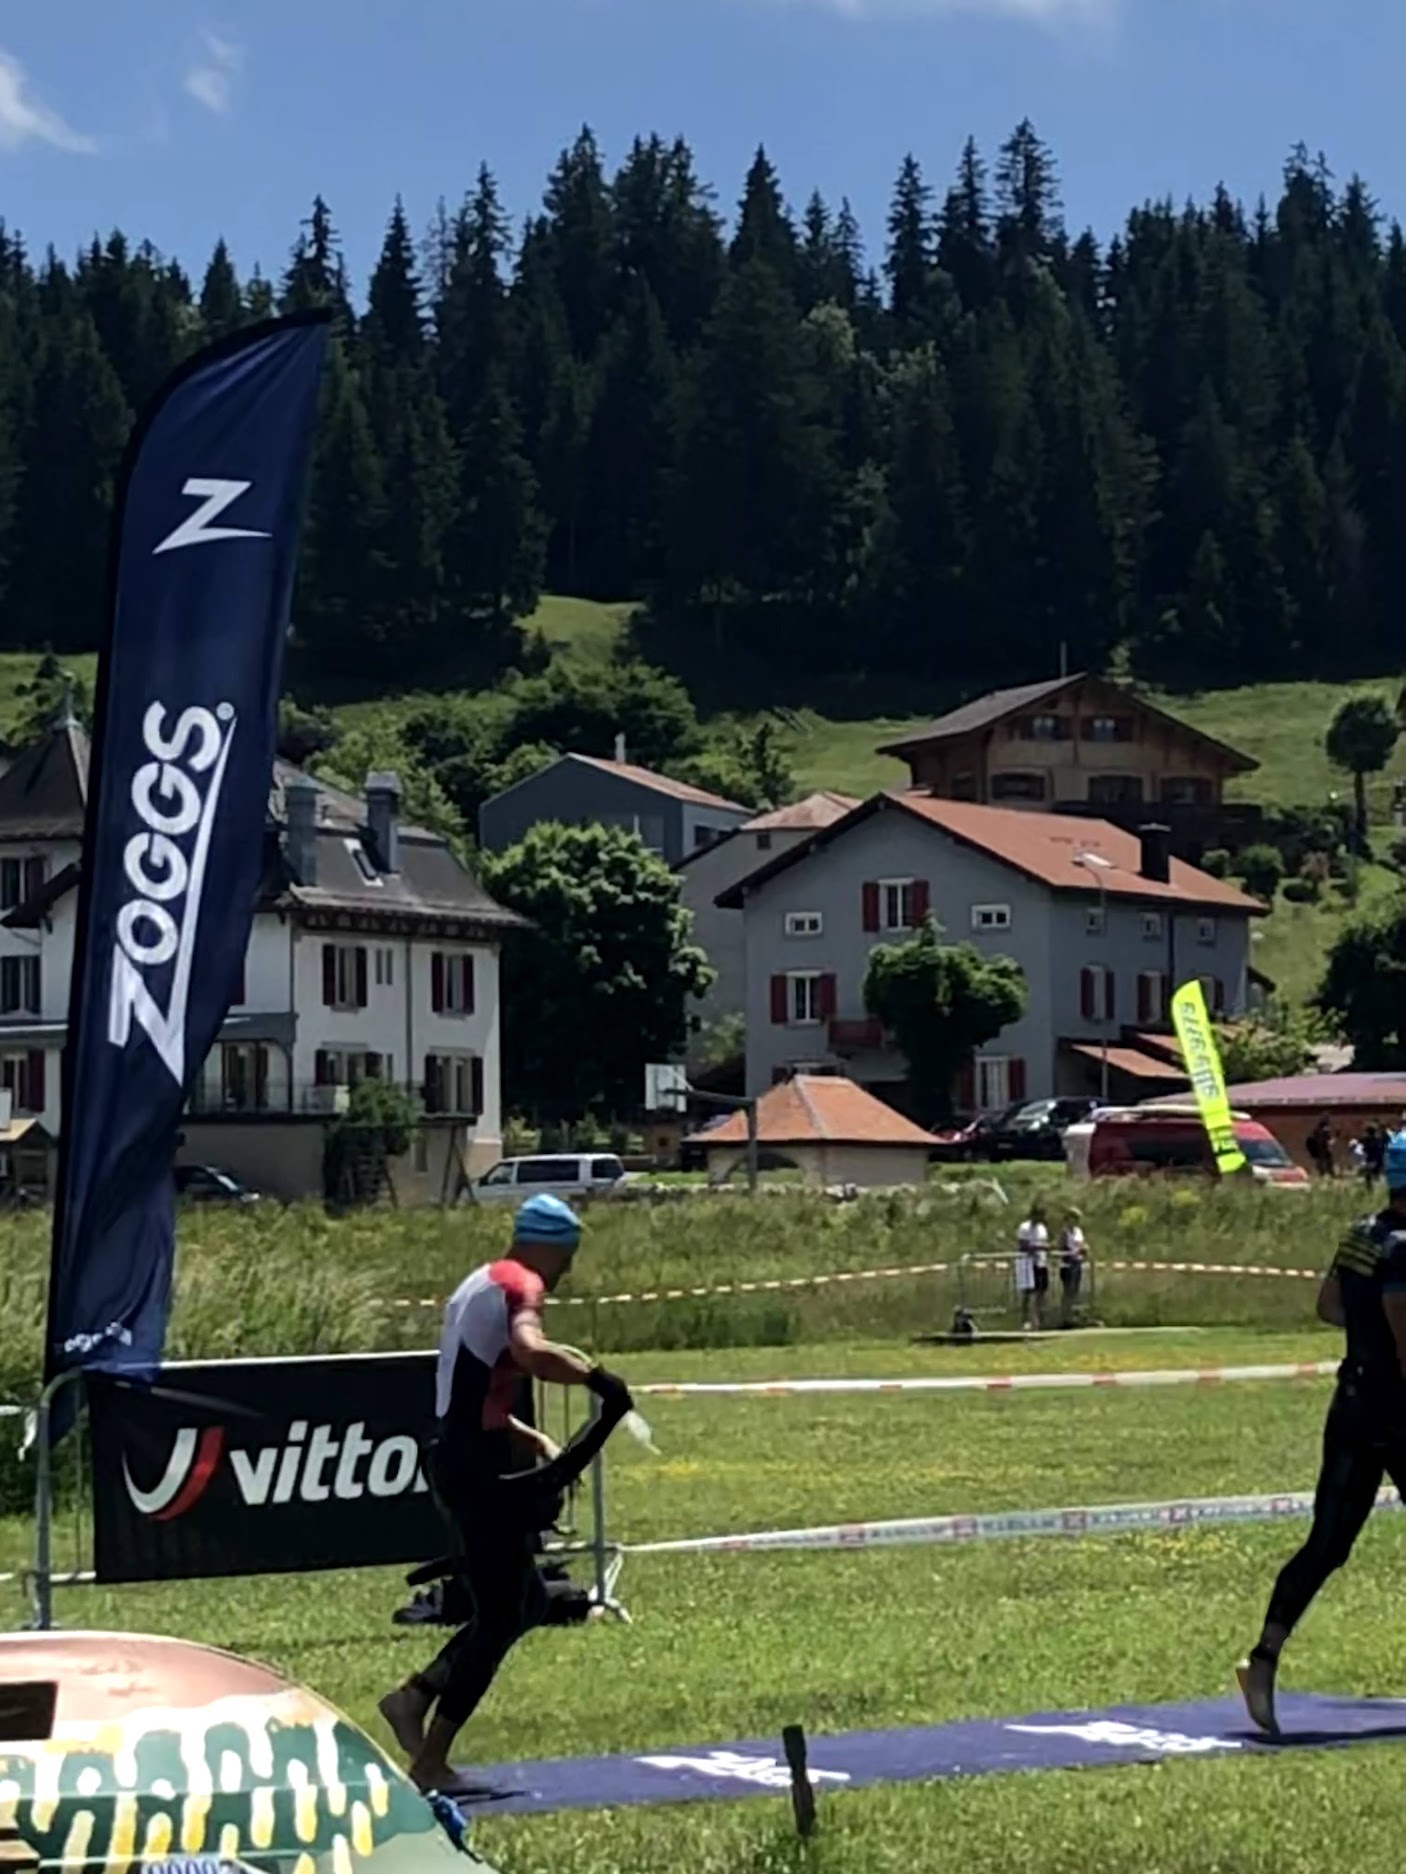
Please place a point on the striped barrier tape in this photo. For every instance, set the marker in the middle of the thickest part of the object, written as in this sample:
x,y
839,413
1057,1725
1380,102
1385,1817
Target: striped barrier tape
x,y
1002,1382
1006,1525
791,1284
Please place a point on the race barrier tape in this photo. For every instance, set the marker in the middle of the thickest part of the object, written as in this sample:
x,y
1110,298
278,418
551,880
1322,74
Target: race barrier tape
x,y
791,1284
998,1382
1006,1525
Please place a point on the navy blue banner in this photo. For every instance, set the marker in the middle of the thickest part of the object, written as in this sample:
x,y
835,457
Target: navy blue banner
x,y
205,542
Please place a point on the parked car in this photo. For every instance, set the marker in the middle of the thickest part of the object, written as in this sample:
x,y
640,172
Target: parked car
x,y
207,1184
570,1175
1036,1128
1171,1141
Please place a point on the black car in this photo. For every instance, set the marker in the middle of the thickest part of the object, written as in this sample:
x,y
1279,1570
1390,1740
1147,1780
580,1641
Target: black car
x,y
207,1184
1036,1129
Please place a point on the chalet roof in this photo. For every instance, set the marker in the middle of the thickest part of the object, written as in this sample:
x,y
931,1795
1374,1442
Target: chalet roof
x,y
984,712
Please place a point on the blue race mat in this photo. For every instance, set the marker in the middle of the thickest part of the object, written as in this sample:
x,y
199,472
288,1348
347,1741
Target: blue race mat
x,y
975,1747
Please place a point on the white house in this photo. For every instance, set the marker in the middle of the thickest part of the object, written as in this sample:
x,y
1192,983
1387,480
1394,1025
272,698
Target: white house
x,y
374,952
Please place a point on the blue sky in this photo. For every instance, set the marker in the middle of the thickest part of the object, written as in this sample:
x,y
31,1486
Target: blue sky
x,y
180,122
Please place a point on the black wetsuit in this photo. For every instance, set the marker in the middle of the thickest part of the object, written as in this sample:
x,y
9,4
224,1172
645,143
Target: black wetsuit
x,y
1364,1438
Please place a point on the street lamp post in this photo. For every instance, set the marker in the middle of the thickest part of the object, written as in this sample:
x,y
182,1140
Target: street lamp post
x,y
1095,865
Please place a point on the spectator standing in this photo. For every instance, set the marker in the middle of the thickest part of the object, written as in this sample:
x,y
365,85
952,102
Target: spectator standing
x,y
1032,1267
1374,1147
1073,1254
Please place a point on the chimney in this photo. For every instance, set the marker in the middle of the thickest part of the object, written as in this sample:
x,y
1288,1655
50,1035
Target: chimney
x,y
1156,862
300,805
620,750
383,819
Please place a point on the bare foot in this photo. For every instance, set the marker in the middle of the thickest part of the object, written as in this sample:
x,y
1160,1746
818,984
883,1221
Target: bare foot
x,y
405,1711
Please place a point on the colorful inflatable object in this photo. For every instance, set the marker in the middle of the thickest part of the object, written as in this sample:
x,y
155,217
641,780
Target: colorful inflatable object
x,y
125,1754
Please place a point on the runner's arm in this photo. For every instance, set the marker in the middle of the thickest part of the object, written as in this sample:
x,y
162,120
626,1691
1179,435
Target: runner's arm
x,y
1330,1300
542,1358
1394,1294
537,1441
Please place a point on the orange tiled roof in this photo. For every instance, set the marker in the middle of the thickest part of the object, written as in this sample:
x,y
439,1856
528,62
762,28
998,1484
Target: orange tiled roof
x,y
1129,1061
1046,846
804,816
819,1109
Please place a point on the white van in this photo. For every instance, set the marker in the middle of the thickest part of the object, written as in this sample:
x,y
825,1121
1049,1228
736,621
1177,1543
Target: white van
x,y
569,1175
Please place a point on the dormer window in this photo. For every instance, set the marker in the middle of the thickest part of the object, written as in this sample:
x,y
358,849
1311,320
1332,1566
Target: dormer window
x,y
361,859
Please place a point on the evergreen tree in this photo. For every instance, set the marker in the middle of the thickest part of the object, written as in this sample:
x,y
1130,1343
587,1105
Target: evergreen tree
x,y
765,232
579,239
222,306
911,249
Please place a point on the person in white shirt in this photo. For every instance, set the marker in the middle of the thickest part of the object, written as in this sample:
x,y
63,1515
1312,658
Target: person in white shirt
x,y
1032,1267
1073,1254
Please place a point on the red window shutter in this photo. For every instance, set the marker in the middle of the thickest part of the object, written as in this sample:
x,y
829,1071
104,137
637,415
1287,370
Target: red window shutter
x,y
871,905
779,1009
34,870
1144,997
476,1087
437,983
966,1087
1086,994
360,978
329,975
922,901
35,1077
469,985
829,997
1110,995
1017,1079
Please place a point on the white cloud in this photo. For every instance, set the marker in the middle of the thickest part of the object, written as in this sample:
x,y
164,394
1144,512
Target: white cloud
x,y
211,80
23,119
1041,12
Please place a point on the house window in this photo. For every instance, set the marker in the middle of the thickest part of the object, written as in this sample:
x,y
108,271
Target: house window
x,y
993,1082
1151,996
21,879
347,1067
804,999
702,836
991,917
1108,728
1214,991
244,1077
1043,729
343,976
385,967
1095,922
1205,930
361,860
1097,993
964,787
764,842
22,1076
1188,790
452,983
896,904
1115,790
1152,925
454,1084
1017,785
19,986
804,923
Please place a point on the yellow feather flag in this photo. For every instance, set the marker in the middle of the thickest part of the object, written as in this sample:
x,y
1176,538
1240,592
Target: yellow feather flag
x,y
1203,1066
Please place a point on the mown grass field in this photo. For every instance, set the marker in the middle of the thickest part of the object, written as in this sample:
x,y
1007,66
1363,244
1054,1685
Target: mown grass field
x,y
729,1647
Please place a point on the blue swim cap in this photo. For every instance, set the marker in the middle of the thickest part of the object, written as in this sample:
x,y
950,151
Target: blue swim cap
x,y
547,1221
1396,1162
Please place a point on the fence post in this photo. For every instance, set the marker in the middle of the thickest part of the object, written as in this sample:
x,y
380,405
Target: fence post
x,y
598,1518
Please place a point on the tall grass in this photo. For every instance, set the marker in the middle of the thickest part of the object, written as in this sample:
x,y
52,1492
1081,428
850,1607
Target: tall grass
x,y
277,1281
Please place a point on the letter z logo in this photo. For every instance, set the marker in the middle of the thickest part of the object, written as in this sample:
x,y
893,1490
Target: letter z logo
x,y
214,498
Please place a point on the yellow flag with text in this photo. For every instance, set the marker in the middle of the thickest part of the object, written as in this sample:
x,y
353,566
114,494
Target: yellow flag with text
x,y
1203,1067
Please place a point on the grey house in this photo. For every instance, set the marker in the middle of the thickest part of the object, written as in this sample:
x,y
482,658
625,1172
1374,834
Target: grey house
x,y
712,869
1103,923
672,818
